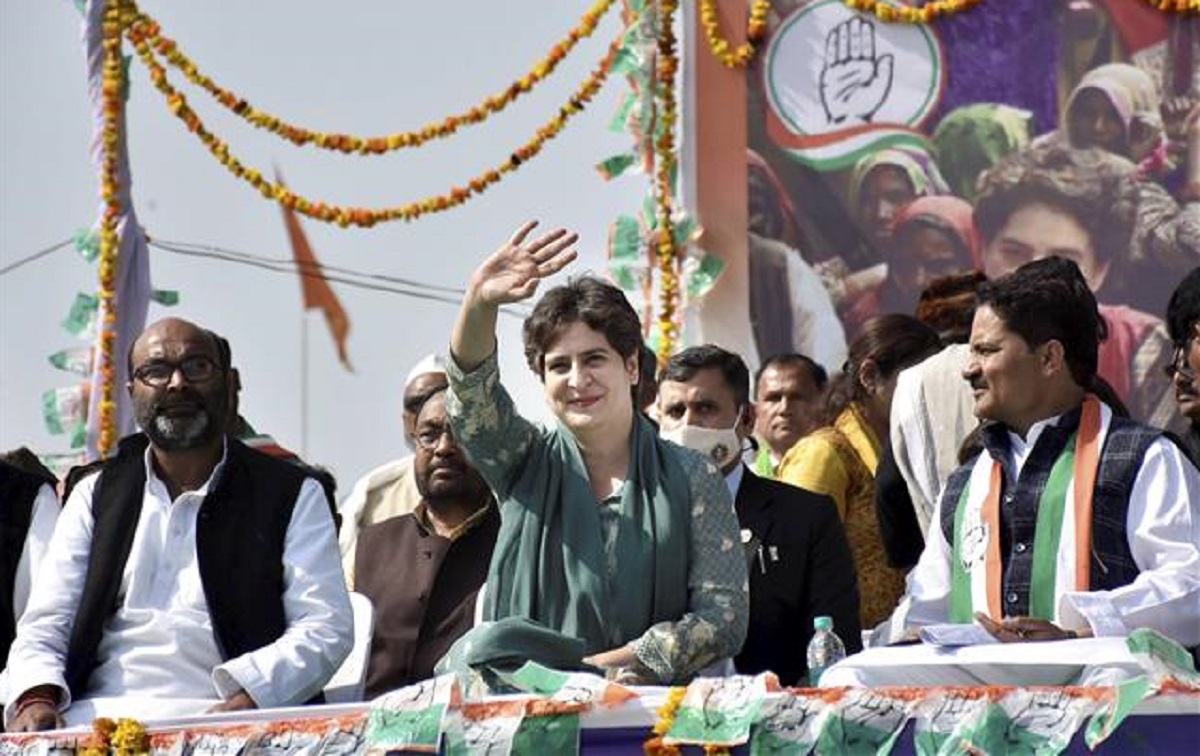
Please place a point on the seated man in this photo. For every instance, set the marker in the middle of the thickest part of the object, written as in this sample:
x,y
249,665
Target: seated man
x,y
787,392
1183,320
388,490
189,572
1072,523
441,551
28,511
796,550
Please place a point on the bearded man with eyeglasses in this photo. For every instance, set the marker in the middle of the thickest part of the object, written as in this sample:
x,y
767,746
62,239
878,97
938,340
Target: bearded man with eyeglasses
x,y
1183,323
188,573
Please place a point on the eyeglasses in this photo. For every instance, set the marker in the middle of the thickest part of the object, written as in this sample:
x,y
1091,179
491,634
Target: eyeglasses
x,y
1179,360
429,437
195,369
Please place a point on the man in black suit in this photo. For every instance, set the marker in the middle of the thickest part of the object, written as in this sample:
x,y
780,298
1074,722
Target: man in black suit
x,y
798,558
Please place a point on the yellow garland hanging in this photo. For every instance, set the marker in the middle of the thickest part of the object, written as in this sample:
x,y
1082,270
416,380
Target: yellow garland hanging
x,y
113,109
147,29
367,217
740,56
890,13
666,718
667,64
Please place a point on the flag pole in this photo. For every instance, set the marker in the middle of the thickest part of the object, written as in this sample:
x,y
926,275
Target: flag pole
x,y
304,384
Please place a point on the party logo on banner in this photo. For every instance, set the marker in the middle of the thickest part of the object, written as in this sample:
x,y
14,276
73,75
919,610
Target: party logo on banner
x,y
839,83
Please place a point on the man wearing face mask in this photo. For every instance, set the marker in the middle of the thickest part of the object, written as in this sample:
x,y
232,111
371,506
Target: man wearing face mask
x,y
797,555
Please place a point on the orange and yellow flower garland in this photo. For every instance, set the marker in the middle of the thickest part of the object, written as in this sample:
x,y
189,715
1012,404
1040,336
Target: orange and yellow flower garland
x,y
125,737
666,717
1176,6
887,12
112,83
146,28
740,56
666,67
346,216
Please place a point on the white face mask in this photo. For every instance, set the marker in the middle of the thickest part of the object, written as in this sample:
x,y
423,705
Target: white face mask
x,y
718,445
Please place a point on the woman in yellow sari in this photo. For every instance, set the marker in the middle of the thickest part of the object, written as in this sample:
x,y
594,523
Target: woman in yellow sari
x,y
839,460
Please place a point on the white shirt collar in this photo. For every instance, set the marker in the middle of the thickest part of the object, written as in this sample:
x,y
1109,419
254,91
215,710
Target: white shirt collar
x,y
1019,448
152,479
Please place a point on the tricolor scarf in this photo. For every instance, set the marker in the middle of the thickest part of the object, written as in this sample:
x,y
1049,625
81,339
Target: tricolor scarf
x,y
1059,564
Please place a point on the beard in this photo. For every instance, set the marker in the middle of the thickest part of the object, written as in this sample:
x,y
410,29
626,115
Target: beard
x,y
181,432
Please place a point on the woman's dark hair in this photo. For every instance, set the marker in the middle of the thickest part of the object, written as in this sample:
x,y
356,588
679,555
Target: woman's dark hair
x,y
1049,300
1096,188
893,342
588,300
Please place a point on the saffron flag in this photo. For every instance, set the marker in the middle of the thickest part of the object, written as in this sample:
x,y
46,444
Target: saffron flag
x,y
318,294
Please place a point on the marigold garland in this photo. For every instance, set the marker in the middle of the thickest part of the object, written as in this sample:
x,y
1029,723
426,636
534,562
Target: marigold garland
x,y
125,737
112,123
666,718
147,29
366,217
666,67
890,13
1176,6
756,28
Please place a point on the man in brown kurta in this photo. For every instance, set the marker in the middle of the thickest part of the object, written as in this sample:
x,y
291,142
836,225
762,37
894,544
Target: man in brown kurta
x,y
423,570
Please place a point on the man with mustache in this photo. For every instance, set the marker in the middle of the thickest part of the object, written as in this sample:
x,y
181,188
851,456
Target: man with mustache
x,y
423,570
389,490
787,391
1072,525
1183,322
189,573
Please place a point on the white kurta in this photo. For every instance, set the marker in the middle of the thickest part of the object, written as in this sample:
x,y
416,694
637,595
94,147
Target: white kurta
x,y
160,641
1163,527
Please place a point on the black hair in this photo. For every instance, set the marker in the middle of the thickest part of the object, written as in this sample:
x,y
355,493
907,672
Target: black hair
x,y
684,365
1183,311
794,359
597,304
1049,300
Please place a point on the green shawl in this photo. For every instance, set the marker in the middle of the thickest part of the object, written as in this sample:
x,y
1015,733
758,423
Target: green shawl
x,y
549,561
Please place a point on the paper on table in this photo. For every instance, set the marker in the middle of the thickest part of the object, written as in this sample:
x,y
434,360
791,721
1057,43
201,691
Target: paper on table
x,y
956,635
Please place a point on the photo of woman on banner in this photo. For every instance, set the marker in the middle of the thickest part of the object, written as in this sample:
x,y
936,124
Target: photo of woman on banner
x,y
1082,205
932,237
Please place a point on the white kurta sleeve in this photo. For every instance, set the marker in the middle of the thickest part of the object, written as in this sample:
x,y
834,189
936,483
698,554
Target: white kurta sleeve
x,y
1163,525
320,628
927,596
37,543
39,652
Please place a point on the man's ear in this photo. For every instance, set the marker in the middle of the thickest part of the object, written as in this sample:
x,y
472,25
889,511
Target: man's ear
x,y
746,419
1054,357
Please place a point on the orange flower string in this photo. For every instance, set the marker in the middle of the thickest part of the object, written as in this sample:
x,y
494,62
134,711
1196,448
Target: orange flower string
x,y
666,718
665,161
890,13
146,29
1176,6
740,56
367,217
112,83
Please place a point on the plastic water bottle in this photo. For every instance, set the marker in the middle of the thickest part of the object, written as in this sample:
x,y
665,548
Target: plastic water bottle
x,y
824,650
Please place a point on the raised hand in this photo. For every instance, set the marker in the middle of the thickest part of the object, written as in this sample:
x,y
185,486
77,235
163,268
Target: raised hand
x,y
514,271
854,81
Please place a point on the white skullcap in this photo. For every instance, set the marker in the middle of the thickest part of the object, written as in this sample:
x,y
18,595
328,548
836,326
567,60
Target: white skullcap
x,y
430,363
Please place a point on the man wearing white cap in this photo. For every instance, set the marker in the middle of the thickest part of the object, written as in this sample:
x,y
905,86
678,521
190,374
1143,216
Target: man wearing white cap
x,y
390,489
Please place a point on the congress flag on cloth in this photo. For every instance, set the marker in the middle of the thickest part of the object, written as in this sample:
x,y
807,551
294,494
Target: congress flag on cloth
x,y
318,294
